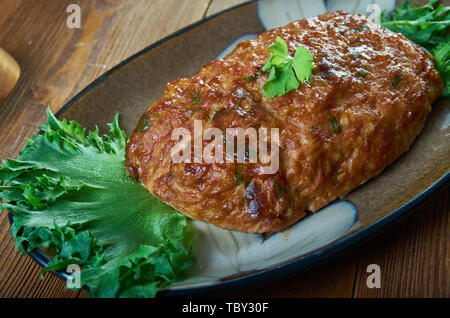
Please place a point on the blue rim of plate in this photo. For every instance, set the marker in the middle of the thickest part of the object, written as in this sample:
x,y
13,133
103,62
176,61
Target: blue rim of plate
x,y
288,268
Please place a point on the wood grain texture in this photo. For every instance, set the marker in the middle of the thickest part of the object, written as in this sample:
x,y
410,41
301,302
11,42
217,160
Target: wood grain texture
x,y
58,62
331,280
219,5
413,256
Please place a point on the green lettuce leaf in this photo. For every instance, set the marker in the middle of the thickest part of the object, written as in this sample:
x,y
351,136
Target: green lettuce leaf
x,y
69,192
428,26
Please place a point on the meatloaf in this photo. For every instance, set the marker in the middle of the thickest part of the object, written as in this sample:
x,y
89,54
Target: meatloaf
x,y
369,95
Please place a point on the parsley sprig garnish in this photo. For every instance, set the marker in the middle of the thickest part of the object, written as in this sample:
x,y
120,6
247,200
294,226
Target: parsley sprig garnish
x,y
286,72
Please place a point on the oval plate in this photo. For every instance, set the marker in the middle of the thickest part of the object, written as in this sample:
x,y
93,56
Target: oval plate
x,y
229,259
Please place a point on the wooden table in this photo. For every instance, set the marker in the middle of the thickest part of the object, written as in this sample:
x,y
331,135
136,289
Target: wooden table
x,y
57,62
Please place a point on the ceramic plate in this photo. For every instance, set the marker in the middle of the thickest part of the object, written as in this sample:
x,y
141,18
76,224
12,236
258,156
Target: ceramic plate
x,y
228,259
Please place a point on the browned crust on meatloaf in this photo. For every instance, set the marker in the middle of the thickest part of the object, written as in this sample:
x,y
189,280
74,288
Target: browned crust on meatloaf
x,y
378,123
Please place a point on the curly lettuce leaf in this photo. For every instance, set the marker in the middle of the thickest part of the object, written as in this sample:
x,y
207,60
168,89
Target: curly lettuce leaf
x,y
428,26
442,60
69,192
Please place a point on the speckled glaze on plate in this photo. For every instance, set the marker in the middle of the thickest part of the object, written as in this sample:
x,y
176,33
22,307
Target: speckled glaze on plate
x,y
231,260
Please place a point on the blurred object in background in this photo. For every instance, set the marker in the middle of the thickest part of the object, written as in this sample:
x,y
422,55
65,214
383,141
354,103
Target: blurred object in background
x,y
9,73
361,6
276,13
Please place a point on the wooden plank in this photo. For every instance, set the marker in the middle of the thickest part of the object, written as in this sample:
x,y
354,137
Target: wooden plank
x,y
331,280
413,256
219,5
6,7
56,63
